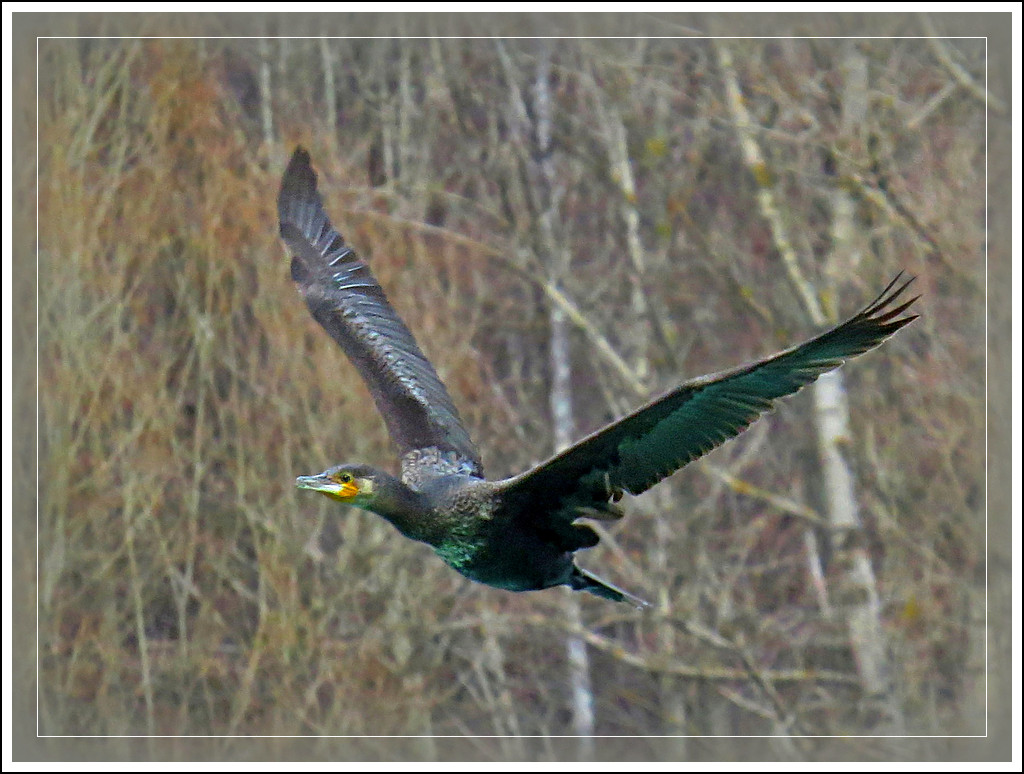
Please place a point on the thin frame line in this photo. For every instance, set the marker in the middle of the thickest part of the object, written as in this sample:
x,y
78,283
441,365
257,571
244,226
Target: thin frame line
x,y
513,37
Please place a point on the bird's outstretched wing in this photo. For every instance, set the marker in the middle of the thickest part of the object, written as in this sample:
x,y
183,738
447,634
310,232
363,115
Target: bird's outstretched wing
x,y
653,442
345,298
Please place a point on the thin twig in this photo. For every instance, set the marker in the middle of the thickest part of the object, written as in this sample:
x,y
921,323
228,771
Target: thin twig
x,y
938,47
660,664
784,504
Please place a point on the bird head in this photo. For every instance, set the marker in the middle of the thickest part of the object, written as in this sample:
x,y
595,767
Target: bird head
x,y
351,484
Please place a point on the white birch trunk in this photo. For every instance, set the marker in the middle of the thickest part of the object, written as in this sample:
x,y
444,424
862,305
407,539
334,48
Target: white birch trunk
x,y
330,90
862,607
545,191
561,392
673,704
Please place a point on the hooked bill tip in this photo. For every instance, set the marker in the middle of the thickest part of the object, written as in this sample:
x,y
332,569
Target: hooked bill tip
x,y
307,482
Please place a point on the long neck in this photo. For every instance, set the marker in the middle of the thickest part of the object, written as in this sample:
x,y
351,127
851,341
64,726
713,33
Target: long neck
x,y
406,508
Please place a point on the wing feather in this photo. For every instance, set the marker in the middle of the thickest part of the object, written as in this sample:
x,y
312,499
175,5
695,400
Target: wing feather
x,y
653,442
345,298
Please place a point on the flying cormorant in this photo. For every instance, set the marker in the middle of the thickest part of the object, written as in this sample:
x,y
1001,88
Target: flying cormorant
x,y
521,533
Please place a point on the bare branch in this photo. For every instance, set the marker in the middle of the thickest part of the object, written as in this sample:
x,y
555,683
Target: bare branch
x,y
938,46
783,504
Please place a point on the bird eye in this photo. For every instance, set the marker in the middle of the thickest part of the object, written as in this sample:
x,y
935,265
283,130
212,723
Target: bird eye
x,y
345,478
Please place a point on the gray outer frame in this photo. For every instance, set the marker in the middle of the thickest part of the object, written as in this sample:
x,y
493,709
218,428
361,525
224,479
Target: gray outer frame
x,y
27,26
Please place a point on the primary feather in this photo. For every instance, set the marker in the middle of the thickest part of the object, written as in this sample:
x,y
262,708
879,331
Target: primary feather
x,y
639,450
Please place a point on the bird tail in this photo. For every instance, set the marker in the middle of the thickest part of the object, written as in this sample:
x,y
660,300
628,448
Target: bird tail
x,y
584,581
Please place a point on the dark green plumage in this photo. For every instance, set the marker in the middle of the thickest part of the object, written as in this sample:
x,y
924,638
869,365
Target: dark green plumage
x,y
520,533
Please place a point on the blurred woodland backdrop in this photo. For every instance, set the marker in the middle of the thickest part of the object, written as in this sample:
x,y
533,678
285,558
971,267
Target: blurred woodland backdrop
x,y
568,227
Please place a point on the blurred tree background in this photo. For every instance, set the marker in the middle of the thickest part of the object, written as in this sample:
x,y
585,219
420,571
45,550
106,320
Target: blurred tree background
x,y
569,227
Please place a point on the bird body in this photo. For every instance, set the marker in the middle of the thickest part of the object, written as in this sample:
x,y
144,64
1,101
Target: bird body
x,y
478,527
521,533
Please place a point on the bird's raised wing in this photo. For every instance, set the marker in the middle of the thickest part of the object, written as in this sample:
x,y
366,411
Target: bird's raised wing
x,y
653,442
345,298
